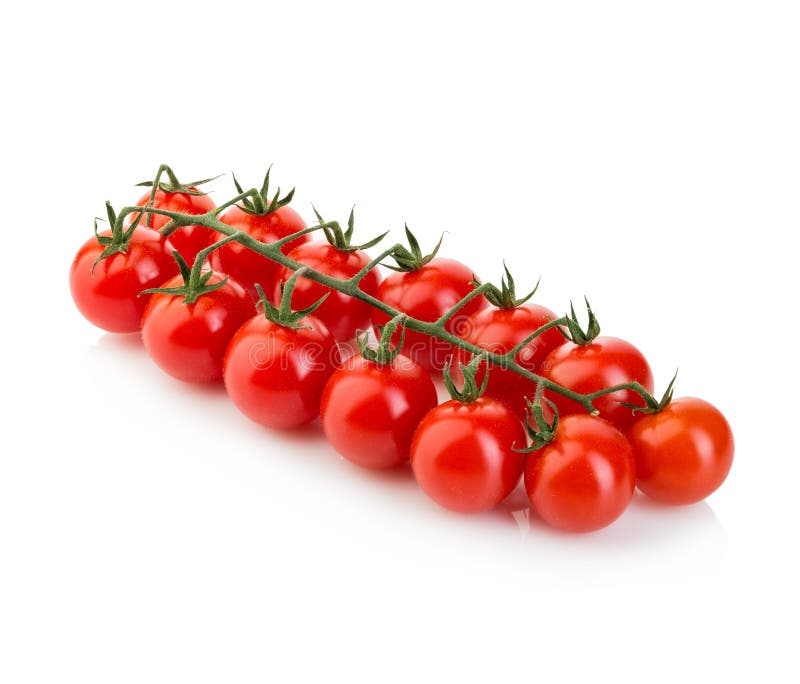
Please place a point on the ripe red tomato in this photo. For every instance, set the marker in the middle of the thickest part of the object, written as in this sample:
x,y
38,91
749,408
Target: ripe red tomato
x,y
427,294
276,374
370,410
109,296
246,266
683,453
188,341
604,362
342,314
188,240
500,330
584,479
463,454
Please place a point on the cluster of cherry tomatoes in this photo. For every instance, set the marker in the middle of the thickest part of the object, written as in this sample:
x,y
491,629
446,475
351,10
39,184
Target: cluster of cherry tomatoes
x,y
276,340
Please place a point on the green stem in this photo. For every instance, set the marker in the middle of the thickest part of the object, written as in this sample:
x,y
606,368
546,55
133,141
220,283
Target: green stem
x,y
477,292
512,353
358,277
350,287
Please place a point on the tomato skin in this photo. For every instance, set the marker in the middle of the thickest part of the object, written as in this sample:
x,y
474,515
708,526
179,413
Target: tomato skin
x,y
342,314
462,454
604,362
683,453
246,266
275,375
188,341
370,411
109,296
584,479
188,240
499,331
427,294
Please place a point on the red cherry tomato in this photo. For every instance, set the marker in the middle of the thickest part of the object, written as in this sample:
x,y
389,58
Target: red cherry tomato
x,y
342,314
427,294
499,331
109,296
604,362
463,454
188,240
246,266
188,341
275,374
683,453
370,410
584,479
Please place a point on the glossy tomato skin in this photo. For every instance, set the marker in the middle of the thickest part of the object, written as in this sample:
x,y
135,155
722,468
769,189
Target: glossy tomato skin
x,y
370,411
109,296
342,314
246,266
188,240
462,454
499,331
683,453
584,479
188,341
604,362
275,375
427,294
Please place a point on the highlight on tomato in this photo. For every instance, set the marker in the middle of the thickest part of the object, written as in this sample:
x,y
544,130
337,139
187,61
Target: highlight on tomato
x,y
186,198
267,219
589,363
277,364
427,287
512,323
374,402
190,320
339,258
580,473
464,452
113,267
683,449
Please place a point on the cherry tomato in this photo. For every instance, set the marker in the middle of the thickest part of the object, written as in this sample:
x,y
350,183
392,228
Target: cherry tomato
x,y
584,479
604,362
188,240
188,341
683,453
109,296
246,266
342,314
427,294
276,374
463,454
370,410
500,330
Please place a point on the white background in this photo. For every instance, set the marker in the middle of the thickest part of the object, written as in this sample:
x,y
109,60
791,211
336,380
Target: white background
x,y
645,154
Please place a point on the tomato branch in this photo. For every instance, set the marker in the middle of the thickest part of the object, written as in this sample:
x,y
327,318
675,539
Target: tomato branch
x,y
351,287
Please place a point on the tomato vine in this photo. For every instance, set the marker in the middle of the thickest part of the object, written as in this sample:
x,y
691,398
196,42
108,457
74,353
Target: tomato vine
x,y
350,286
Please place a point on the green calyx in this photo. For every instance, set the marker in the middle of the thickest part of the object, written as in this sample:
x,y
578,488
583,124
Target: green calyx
x,y
412,258
384,353
470,391
261,204
544,432
283,314
505,297
172,184
652,405
575,333
120,237
342,239
196,282
194,286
